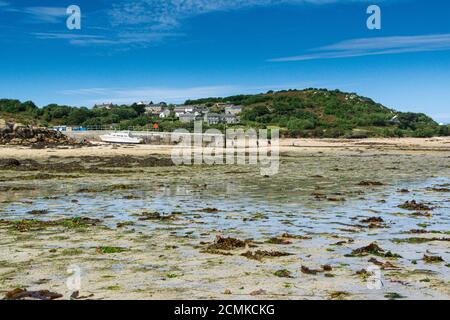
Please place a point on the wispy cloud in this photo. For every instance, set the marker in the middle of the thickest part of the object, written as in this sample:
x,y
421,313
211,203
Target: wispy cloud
x,y
145,22
168,14
46,14
3,4
375,46
122,38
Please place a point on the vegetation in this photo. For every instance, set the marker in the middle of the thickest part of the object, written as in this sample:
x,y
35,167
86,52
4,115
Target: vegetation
x,y
297,113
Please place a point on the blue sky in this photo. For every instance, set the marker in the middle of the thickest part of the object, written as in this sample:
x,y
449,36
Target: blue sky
x,y
172,50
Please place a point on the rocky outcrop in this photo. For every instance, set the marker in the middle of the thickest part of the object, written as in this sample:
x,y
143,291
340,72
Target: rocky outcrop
x,y
19,134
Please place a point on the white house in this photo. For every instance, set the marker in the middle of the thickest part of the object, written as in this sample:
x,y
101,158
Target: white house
x,y
164,113
179,110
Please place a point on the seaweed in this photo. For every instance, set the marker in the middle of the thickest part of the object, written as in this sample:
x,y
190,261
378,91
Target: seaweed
x,y
372,249
370,183
259,254
393,296
110,250
291,236
432,259
419,240
283,273
339,295
415,206
373,220
27,225
307,270
20,294
278,241
227,244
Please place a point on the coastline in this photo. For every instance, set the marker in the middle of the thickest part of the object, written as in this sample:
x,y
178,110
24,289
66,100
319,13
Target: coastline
x,y
287,146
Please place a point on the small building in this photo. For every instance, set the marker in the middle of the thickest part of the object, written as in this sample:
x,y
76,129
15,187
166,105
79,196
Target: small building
x,y
230,119
213,118
182,109
165,113
232,109
154,109
200,110
188,117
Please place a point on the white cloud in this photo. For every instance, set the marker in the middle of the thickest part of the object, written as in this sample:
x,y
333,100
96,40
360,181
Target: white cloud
x,y
46,14
168,13
149,21
375,46
125,38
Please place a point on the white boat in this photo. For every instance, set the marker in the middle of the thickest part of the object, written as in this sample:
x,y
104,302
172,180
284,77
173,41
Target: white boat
x,y
121,137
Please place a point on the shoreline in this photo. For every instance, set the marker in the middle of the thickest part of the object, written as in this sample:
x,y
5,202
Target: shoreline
x,y
287,147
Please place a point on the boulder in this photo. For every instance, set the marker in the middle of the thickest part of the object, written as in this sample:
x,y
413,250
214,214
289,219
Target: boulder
x,y
19,134
17,126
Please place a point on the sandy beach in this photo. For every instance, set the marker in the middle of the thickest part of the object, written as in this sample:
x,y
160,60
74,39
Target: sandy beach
x,y
297,146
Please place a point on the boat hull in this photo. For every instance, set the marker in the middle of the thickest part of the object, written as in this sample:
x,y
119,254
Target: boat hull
x,y
116,140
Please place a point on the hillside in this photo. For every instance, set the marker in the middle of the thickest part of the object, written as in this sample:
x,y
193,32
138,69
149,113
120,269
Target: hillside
x,y
324,113
299,113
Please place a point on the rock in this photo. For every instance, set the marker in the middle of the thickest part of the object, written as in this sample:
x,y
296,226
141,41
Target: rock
x,y
20,294
19,134
17,126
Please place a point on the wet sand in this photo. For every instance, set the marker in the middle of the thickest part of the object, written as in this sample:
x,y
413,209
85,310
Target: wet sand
x,y
158,225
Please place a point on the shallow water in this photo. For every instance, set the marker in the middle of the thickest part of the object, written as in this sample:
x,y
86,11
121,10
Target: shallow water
x,y
250,206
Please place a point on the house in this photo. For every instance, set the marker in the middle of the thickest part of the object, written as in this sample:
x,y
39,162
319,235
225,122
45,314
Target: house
x,y
230,119
154,109
165,113
232,109
187,117
221,105
200,110
213,118
182,109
